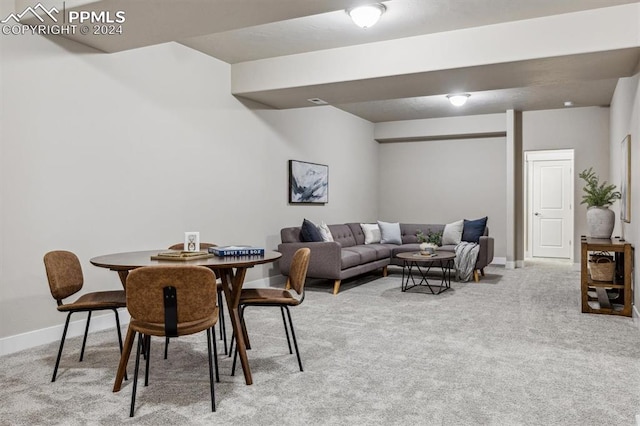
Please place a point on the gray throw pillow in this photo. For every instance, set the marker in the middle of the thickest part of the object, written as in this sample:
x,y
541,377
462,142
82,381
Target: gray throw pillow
x,y
390,233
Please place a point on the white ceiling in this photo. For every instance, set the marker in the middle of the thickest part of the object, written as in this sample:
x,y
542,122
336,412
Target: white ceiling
x,y
265,34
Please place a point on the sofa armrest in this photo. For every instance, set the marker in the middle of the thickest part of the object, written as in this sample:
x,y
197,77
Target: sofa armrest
x,y
485,255
325,260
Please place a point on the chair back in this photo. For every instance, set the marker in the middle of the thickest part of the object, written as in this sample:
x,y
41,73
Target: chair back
x,y
298,271
64,274
195,288
203,246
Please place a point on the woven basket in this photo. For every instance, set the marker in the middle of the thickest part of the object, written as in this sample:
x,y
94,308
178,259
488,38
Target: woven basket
x,y
602,269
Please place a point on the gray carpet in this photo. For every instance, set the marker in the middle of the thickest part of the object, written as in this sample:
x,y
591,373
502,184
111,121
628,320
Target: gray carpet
x,y
511,350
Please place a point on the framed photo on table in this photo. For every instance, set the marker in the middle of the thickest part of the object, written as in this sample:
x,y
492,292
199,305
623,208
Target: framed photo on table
x,y
191,241
625,184
308,183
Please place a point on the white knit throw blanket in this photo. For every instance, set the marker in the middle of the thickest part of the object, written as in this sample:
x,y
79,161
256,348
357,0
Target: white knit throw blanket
x,y
466,257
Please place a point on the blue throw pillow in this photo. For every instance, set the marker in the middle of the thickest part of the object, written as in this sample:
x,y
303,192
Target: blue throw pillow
x,y
473,229
309,232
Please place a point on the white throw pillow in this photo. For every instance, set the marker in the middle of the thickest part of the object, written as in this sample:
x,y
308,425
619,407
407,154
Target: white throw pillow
x,y
390,233
452,234
371,233
325,232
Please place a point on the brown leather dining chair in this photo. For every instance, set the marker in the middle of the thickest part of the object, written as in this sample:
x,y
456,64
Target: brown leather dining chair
x,y
65,277
220,290
281,298
170,301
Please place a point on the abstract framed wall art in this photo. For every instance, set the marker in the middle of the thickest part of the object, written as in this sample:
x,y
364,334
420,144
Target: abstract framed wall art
x,y
308,183
625,184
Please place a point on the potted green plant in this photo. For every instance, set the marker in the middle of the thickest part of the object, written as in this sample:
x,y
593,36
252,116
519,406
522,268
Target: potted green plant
x,y
428,243
598,197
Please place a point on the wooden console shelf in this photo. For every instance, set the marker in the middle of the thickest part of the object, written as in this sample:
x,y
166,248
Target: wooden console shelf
x,y
607,297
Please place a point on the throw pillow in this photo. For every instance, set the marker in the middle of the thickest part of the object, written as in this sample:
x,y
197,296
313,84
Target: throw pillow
x,y
309,232
371,233
325,232
390,233
452,234
474,229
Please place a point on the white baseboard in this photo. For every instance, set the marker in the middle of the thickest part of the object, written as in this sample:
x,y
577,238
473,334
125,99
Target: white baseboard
x,y
636,315
99,322
499,261
31,339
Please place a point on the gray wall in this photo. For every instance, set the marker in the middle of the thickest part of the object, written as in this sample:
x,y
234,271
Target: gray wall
x,y
586,130
104,153
445,181
625,120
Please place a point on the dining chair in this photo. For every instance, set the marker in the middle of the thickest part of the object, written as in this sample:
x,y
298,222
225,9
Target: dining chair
x,y
281,298
65,277
223,327
170,301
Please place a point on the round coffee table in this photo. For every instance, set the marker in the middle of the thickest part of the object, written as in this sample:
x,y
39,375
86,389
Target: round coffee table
x,y
422,264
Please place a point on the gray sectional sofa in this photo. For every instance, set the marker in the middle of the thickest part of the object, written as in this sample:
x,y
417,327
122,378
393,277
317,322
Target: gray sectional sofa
x,y
348,255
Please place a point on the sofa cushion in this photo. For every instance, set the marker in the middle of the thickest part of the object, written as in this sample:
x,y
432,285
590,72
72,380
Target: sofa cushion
x,y
349,258
452,233
473,229
390,233
371,232
383,251
343,235
309,232
367,254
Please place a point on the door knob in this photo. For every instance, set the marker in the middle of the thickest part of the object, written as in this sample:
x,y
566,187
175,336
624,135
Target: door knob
x,y
537,214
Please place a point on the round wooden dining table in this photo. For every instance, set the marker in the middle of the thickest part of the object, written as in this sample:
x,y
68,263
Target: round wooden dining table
x,y
230,269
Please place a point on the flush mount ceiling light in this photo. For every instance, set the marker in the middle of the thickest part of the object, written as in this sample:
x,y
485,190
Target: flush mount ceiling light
x,y
459,99
568,103
366,16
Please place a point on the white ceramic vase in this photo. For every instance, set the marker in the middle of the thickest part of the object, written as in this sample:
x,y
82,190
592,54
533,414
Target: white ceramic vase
x,y
601,221
428,248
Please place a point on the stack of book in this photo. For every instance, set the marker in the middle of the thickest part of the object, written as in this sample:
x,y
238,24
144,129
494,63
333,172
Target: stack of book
x,y
237,251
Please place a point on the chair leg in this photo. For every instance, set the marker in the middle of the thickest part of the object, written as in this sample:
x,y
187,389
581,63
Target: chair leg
x,y
115,311
223,326
84,340
64,334
147,340
286,330
213,394
215,350
135,375
235,358
293,334
166,347
233,338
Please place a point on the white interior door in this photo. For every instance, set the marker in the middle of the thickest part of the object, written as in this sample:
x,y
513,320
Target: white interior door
x,y
551,221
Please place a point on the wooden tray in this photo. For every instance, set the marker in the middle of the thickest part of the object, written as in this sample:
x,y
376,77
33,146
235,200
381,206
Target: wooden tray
x,y
181,256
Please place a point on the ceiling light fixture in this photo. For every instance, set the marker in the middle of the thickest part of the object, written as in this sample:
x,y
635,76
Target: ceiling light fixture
x,y
366,16
459,99
568,103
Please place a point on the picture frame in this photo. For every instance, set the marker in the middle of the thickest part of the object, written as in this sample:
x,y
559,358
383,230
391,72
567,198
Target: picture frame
x,y
625,184
191,241
308,183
